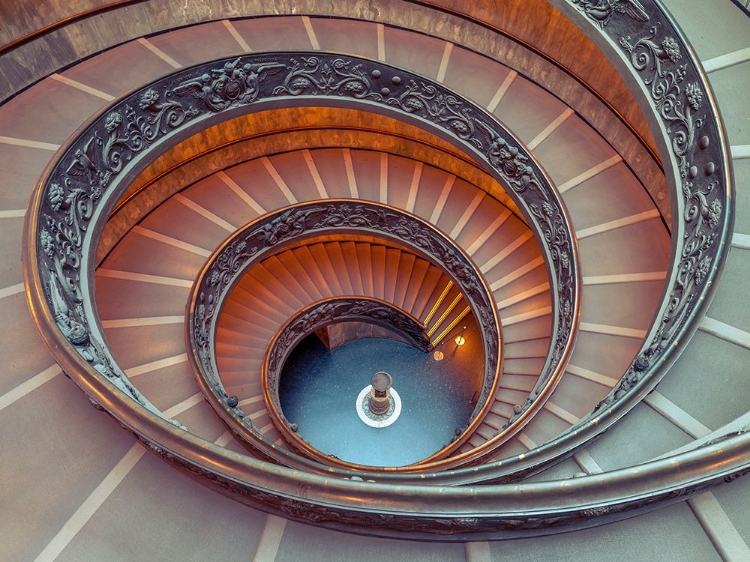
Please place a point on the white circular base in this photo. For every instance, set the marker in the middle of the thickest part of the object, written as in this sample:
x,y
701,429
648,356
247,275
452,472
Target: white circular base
x,y
380,421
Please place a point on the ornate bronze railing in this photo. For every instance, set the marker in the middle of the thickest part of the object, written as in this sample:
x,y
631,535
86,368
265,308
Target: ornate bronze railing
x,y
648,46
94,169
67,20
307,321
62,229
274,232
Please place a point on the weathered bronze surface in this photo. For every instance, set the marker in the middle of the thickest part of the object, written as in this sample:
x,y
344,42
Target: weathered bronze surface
x,y
63,221
277,230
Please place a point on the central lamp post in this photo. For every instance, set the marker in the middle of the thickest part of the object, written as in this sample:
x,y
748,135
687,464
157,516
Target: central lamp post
x,y
378,404
380,393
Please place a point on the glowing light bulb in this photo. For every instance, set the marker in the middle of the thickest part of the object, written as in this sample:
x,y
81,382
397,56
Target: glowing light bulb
x,y
460,339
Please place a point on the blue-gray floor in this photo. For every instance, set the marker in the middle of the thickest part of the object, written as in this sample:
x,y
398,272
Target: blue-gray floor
x,y
318,391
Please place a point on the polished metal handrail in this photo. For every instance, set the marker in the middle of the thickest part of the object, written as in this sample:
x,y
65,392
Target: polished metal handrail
x,y
703,197
67,20
85,181
275,231
649,47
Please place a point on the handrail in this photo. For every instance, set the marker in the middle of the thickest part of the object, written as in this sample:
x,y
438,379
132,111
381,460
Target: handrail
x,y
704,222
438,6
273,232
81,187
674,85
54,26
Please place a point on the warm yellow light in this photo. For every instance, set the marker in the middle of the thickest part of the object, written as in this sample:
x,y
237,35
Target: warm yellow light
x,y
460,340
438,355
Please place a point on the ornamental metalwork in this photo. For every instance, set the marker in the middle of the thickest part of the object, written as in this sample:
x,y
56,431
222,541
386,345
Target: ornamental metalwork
x,y
678,100
315,317
271,233
601,11
86,180
81,187
678,93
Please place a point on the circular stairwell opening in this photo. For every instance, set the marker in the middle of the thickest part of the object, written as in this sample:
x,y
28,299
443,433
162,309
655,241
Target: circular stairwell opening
x,y
319,385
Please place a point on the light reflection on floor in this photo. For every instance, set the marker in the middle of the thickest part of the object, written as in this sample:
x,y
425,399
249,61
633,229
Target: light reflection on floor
x,y
318,391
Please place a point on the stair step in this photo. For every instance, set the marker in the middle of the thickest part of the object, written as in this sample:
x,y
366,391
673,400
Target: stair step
x,y
378,254
241,325
494,420
119,298
424,300
527,366
392,259
250,350
356,270
245,390
532,329
165,260
308,263
330,274
344,270
486,432
364,259
279,290
293,284
403,276
246,303
525,348
518,382
291,264
527,306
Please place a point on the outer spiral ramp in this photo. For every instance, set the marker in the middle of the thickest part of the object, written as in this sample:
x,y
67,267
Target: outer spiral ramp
x,y
75,486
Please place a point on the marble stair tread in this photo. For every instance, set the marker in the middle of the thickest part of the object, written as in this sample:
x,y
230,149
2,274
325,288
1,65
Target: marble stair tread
x,y
198,43
120,298
525,348
177,494
165,260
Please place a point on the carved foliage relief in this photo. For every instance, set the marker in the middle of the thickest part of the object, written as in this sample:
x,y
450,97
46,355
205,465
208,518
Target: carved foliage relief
x,y
675,87
259,239
87,174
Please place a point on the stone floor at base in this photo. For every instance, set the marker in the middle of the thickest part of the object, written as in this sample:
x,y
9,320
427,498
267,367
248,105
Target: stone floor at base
x,y
318,391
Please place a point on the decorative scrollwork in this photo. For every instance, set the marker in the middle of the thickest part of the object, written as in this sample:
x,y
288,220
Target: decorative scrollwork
x,y
85,182
678,99
253,243
331,311
80,189
315,75
601,11
516,166
446,109
677,102
89,171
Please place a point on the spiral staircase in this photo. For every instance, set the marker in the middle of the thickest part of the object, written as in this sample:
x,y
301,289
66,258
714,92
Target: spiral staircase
x,y
612,418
